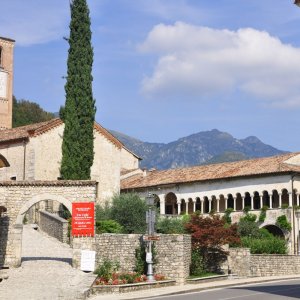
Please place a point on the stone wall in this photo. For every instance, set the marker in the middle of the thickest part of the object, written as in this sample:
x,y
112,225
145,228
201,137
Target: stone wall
x,y
244,264
19,196
173,252
54,226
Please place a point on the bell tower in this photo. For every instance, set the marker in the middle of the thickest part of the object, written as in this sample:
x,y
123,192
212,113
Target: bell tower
x,y
6,82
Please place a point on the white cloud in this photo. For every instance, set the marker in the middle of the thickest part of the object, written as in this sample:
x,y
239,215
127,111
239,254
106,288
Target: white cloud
x,y
204,61
34,21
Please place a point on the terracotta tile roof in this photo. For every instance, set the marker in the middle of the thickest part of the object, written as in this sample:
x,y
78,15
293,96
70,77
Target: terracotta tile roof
x,y
253,167
49,183
24,132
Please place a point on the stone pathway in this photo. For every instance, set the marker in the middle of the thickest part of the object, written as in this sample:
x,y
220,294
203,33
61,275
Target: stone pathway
x,y
46,272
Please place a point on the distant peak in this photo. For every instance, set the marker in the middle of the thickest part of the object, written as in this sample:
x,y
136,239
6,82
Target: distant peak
x,y
252,139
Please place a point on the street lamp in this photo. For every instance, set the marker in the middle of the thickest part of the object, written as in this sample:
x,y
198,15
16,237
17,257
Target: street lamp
x,y
150,219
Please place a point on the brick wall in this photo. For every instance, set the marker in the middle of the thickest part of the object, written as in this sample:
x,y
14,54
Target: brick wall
x,y
54,226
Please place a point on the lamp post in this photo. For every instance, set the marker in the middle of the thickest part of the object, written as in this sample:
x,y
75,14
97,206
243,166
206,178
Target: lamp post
x,y
150,219
297,213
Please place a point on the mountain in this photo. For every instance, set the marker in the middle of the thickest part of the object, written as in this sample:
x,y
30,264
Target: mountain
x,y
200,148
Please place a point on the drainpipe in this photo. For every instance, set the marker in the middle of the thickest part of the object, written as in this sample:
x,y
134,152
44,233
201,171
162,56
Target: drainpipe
x,y
24,159
293,214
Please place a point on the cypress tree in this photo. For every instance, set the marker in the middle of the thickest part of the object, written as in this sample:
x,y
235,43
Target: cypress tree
x,y
79,112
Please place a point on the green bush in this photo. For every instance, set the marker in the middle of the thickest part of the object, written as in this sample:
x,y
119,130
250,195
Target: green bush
x,y
197,267
171,225
249,217
103,212
283,223
272,245
108,226
246,209
284,206
248,228
263,214
107,268
129,210
227,217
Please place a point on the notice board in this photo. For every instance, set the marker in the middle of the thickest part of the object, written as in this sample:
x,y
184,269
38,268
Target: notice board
x,y
83,219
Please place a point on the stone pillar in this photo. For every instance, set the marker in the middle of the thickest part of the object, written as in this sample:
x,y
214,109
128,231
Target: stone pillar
x,y
234,203
162,204
290,199
243,202
202,206
261,201
218,205
17,246
252,202
280,200
187,206
297,199
209,205
194,205
226,204
179,207
270,200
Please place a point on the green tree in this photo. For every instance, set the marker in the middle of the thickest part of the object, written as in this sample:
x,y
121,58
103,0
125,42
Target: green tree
x,y
79,112
129,210
26,112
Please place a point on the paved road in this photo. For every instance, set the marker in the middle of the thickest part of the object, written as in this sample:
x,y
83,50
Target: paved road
x,y
45,273
265,291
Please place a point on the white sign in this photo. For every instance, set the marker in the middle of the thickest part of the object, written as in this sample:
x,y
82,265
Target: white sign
x,y
87,260
3,84
148,257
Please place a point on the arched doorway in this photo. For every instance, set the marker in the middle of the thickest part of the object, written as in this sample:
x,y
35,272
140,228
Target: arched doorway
x,y
171,204
275,230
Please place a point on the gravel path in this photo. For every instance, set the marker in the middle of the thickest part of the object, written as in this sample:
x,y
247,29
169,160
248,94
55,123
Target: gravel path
x,y
46,272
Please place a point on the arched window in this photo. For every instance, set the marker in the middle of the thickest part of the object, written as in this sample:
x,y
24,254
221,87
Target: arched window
x,y
3,162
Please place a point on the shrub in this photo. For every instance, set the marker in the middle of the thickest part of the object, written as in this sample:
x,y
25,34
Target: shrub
x,y
263,214
129,210
108,226
283,223
197,267
246,209
284,206
248,228
107,268
171,225
227,214
271,245
249,218
209,235
103,212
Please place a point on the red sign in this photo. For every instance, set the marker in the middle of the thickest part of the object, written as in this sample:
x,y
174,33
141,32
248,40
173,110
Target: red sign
x,y
83,219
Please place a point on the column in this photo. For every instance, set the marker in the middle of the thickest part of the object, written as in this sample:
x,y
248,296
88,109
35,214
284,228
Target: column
x,y
209,205
225,200
202,206
218,205
271,200
261,201
179,207
187,206
291,199
280,200
234,203
162,204
194,205
297,195
243,202
252,202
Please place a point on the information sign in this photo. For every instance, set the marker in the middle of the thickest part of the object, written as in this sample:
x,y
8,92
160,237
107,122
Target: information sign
x,y
87,260
83,219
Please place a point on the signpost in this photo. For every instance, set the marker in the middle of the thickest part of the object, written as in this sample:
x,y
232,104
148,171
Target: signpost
x,y
83,219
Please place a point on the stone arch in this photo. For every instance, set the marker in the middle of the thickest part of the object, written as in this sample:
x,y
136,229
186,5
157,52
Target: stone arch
x,y
275,230
222,203
3,162
205,205
190,206
266,199
183,204
239,202
285,197
171,204
38,198
198,204
214,203
230,201
256,200
247,200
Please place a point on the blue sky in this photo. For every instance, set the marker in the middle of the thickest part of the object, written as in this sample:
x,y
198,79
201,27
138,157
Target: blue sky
x,y
164,69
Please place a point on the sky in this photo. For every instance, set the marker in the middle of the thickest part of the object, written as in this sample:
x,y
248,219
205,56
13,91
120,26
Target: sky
x,y
164,69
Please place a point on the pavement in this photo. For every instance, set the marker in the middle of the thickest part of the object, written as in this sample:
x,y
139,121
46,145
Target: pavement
x,y
189,288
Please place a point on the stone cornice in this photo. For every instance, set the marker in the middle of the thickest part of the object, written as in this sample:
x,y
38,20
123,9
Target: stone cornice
x,y
49,183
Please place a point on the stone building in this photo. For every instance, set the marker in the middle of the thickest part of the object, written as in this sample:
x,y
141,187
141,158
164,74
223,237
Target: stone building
x,y
33,152
6,81
273,182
